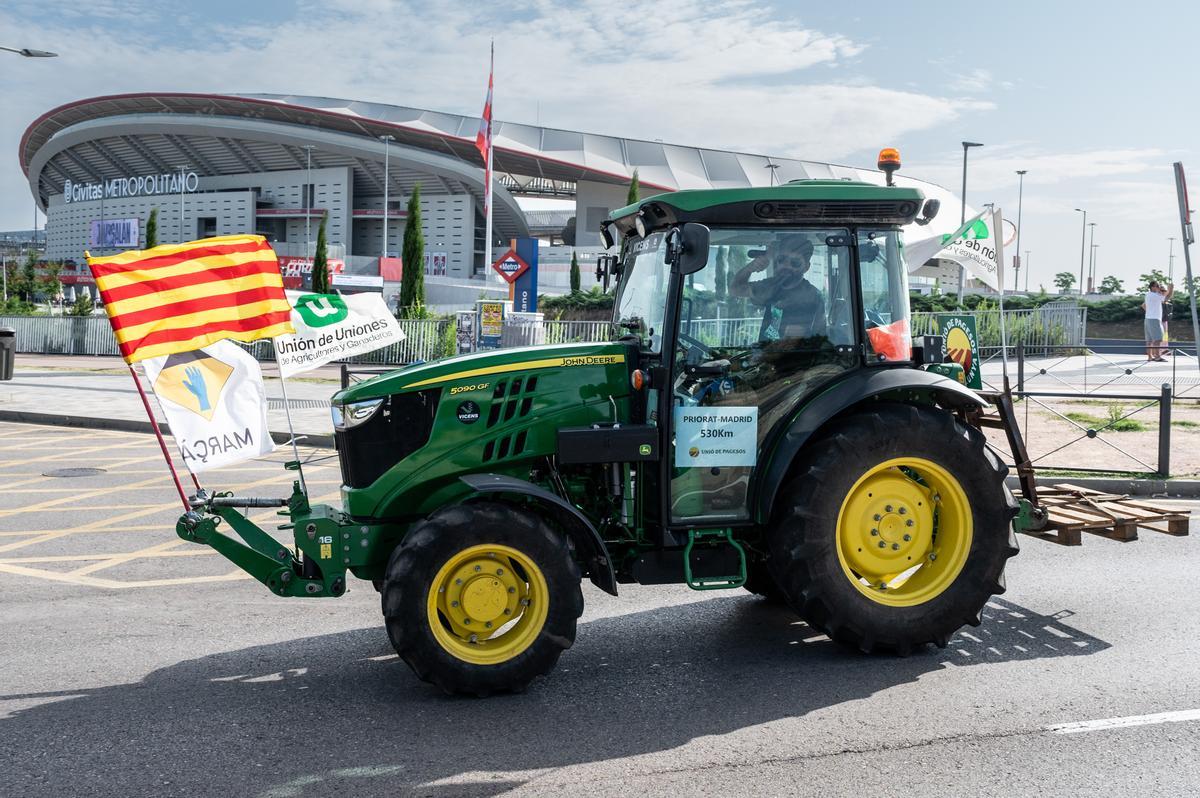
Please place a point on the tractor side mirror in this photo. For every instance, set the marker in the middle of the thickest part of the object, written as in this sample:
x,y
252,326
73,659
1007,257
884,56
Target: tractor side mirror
x,y
929,210
606,236
606,265
687,248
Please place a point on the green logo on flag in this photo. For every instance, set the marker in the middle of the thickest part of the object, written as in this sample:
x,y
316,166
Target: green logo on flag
x,y
321,310
977,230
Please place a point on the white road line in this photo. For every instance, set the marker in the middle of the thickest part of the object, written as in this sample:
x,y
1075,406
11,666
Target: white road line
x,y
1123,723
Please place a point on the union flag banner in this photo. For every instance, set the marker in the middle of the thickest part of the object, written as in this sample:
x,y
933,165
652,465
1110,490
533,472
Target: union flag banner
x,y
181,297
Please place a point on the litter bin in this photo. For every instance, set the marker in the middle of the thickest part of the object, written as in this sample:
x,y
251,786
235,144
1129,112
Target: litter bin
x,y
8,352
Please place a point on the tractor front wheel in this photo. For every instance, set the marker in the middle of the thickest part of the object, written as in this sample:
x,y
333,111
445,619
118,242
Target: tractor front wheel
x,y
481,598
895,531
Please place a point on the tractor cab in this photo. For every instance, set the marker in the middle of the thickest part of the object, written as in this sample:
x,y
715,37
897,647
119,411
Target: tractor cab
x,y
745,304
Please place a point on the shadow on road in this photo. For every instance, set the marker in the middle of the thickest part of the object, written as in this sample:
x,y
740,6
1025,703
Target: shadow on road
x,y
340,714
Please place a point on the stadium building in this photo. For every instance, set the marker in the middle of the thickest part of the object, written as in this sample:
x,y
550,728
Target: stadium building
x,y
217,164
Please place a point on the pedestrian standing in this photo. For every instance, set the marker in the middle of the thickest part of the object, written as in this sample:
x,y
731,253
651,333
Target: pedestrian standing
x,y
1153,324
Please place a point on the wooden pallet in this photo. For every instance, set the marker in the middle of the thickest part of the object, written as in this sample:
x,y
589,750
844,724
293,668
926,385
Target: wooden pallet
x,y
1074,510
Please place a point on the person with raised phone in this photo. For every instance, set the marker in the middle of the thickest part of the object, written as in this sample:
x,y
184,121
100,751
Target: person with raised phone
x,y
1153,305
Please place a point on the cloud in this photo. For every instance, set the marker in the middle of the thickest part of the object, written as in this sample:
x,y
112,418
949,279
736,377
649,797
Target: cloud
x,y
724,74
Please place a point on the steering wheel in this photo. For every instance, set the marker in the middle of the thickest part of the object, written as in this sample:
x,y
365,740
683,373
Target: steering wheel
x,y
706,351
873,318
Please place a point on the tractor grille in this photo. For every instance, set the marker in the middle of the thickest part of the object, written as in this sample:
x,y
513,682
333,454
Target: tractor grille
x,y
836,211
512,400
400,427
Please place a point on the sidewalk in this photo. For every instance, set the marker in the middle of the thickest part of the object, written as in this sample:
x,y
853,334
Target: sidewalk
x,y
97,392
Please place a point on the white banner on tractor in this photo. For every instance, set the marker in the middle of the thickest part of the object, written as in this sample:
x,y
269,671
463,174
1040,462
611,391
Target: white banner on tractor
x,y
333,326
215,403
975,246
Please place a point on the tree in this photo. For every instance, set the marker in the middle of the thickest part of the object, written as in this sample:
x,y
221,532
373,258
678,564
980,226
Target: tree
x,y
26,283
721,278
1111,285
1064,280
568,233
152,229
576,278
412,281
320,270
632,197
1154,275
83,305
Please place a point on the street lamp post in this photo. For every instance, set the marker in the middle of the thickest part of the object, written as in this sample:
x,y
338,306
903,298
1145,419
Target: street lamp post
x,y
182,182
29,52
387,140
308,253
1171,261
966,145
1091,259
1026,270
1017,257
1082,245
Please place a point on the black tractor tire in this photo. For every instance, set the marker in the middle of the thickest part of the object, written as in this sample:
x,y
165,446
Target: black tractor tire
x,y
761,582
803,534
434,542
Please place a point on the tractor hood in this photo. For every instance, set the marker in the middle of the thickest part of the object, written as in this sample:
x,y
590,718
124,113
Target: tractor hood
x,y
466,370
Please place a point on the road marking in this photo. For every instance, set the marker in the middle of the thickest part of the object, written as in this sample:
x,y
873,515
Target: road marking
x,y
86,557
1124,723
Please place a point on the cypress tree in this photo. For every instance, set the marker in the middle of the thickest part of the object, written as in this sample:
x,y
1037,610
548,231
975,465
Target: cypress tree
x,y
632,196
576,278
152,229
412,282
320,270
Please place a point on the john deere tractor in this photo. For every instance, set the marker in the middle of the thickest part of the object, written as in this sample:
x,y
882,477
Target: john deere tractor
x,y
759,420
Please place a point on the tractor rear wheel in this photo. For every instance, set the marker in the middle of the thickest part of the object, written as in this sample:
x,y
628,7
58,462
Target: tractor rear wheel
x,y
896,531
481,598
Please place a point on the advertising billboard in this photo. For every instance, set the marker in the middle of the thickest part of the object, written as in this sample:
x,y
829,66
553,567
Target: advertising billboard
x,y
114,233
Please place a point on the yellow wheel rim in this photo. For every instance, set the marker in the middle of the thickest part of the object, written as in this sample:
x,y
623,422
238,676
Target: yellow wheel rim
x,y
904,532
487,604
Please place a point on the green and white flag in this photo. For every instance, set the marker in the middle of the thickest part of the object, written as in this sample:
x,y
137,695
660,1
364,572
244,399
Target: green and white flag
x,y
975,246
332,327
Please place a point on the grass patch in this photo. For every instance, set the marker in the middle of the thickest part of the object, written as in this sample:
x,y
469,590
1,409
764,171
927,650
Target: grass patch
x,y
1117,424
1186,424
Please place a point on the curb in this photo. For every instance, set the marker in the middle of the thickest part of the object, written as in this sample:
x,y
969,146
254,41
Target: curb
x,y
128,425
1182,488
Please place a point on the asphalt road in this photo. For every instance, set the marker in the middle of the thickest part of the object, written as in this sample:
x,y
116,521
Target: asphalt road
x,y
136,664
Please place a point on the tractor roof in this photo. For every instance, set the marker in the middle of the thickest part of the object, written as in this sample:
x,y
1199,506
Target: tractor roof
x,y
797,202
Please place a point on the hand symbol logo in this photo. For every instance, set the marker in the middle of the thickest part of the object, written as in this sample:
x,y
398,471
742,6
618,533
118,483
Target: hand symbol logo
x,y
195,385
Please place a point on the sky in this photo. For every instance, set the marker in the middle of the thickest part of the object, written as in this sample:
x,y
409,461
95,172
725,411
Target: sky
x,y
1094,100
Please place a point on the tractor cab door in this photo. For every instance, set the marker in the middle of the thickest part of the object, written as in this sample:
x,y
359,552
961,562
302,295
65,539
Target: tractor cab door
x,y
768,320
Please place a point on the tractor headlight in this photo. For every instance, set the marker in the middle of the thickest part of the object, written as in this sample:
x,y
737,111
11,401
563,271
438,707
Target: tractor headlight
x,y
350,415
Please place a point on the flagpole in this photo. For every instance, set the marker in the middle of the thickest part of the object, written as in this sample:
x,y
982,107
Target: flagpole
x,y
287,409
487,193
998,232
162,444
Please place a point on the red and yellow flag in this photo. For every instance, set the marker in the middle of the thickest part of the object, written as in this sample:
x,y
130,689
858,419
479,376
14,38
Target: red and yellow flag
x,y
180,297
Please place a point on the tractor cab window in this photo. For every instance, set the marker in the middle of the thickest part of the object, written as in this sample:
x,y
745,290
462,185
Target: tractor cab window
x,y
884,296
767,321
642,301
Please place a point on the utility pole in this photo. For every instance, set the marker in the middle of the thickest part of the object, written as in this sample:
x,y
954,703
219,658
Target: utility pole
x,y
962,219
1092,253
1026,270
1171,261
1082,245
1092,270
1017,256
308,253
387,140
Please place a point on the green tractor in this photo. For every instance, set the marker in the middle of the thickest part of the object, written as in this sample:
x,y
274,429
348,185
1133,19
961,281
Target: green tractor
x,y
759,420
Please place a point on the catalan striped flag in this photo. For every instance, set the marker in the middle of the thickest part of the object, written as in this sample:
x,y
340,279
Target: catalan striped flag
x,y
180,297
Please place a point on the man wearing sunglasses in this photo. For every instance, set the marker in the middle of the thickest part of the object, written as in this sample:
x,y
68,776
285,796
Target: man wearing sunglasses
x,y
794,308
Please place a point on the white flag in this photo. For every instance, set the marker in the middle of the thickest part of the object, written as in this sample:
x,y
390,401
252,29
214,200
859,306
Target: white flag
x,y
973,246
331,327
215,403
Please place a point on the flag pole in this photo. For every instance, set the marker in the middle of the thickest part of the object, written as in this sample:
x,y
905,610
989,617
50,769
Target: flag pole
x,y
287,409
998,232
488,198
162,444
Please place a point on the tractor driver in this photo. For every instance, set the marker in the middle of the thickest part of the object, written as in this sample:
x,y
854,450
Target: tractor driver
x,y
794,308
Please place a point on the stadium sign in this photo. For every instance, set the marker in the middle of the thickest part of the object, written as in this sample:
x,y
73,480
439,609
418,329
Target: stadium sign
x,y
141,186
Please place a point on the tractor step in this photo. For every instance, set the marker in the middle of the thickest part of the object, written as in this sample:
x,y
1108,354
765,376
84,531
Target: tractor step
x,y
701,541
1073,510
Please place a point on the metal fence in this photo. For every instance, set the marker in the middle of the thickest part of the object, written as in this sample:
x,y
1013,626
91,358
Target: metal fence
x,y
1038,330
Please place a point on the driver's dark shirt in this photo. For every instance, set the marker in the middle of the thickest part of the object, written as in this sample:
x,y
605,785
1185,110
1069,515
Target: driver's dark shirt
x,y
800,303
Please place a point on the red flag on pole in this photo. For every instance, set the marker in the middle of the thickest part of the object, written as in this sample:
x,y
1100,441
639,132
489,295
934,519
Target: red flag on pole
x,y
483,143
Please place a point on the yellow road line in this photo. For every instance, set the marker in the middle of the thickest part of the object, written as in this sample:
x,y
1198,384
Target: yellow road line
x,y
91,581
124,558
196,552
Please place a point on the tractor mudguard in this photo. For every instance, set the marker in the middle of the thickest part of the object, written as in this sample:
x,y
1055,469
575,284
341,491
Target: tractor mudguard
x,y
586,539
907,383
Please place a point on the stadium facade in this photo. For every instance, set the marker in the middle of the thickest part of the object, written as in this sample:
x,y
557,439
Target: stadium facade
x,y
216,164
